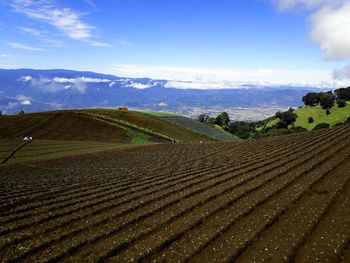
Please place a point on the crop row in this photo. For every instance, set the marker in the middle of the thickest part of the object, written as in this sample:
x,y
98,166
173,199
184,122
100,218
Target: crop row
x,y
170,233
110,184
324,141
99,176
158,182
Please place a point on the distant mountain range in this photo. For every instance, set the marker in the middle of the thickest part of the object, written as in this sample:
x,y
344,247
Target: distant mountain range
x,y
39,90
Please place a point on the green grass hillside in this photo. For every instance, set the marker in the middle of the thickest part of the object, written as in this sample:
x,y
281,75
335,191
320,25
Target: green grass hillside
x,y
151,124
198,127
337,115
319,115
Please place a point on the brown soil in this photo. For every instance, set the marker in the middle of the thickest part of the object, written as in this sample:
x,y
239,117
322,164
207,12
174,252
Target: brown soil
x,y
275,199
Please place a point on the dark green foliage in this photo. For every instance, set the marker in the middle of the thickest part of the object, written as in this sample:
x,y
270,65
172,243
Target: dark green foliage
x,y
242,129
282,124
341,103
211,120
286,118
203,118
223,119
310,120
321,126
21,112
311,99
326,100
343,93
328,112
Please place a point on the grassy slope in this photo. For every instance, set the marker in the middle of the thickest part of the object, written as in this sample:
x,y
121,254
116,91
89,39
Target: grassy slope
x,y
319,115
337,115
160,113
152,123
199,127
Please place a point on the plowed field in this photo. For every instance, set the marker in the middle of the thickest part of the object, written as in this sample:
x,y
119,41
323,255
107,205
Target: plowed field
x,y
277,199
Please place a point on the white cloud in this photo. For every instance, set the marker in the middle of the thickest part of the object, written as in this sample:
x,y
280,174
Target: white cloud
x,y
342,73
100,44
63,19
81,79
137,85
305,4
112,84
30,30
43,36
26,78
66,20
330,24
330,28
26,102
224,77
5,55
23,46
58,84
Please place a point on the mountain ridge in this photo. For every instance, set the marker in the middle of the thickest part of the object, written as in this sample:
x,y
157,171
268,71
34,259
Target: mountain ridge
x,y
40,90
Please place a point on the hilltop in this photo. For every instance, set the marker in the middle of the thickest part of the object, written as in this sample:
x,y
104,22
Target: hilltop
x,y
96,125
324,108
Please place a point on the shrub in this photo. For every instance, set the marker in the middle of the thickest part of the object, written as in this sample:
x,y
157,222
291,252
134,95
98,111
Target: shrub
x,y
21,112
328,112
326,100
310,120
311,99
341,103
321,126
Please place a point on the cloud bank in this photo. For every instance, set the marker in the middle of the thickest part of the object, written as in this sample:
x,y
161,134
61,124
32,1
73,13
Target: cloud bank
x,y
330,24
221,76
57,83
342,73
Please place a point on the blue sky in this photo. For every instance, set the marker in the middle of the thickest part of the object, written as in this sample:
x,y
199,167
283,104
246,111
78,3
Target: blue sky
x,y
275,41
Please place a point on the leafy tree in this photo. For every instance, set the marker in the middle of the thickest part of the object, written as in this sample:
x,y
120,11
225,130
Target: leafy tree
x,y
321,126
343,93
212,120
341,103
203,118
242,129
223,119
326,100
310,120
286,118
311,99
21,112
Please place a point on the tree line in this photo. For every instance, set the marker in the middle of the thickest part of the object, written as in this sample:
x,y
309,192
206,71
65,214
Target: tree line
x,y
285,120
327,99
